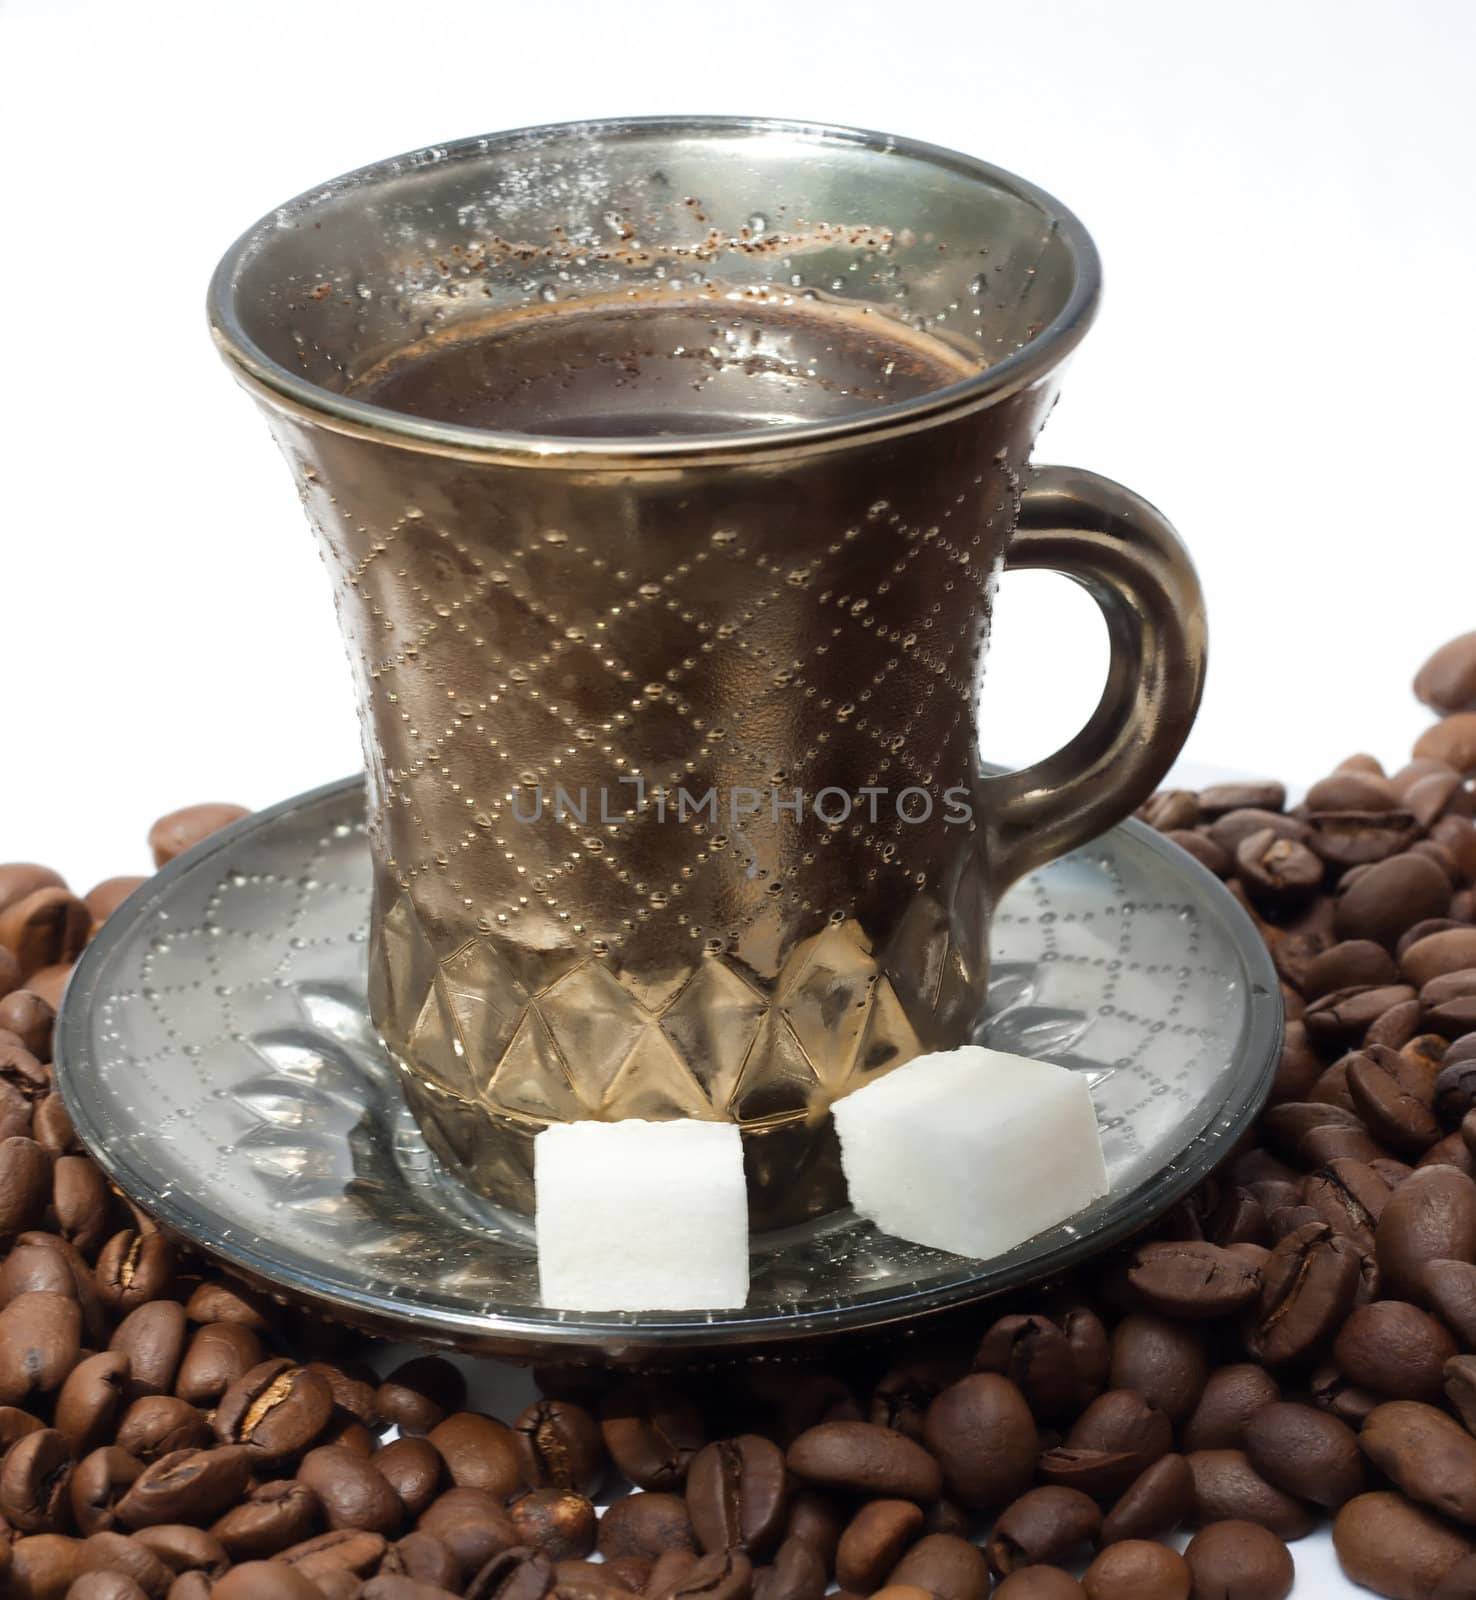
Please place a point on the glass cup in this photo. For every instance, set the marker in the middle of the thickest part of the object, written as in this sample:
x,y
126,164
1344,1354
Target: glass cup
x,y
669,684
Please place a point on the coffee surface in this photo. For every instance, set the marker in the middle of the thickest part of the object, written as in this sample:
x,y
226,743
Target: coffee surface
x,y
638,368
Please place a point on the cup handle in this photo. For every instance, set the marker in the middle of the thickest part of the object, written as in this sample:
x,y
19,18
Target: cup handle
x,y
1126,555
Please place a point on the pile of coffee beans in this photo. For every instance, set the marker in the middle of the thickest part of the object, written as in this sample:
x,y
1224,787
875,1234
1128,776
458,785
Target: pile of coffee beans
x,y
1296,1341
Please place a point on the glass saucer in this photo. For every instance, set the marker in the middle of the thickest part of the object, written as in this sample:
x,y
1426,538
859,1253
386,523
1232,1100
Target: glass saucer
x,y
216,1055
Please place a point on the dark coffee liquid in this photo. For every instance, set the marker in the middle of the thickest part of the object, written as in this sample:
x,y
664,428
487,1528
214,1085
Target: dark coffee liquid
x,y
638,368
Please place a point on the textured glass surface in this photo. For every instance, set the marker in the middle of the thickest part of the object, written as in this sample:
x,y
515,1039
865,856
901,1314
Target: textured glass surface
x,y
217,1056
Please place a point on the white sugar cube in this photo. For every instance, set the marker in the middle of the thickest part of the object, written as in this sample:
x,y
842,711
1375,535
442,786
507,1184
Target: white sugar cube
x,y
641,1216
971,1150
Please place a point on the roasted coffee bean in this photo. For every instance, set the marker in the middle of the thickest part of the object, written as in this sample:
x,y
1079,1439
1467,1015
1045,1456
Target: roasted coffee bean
x,y
1452,740
1231,1397
1389,896
21,878
1307,1288
1393,1099
861,1458
1330,1391
346,1432
1153,1505
1137,1570
265,1580
1447,681
1349,1196
902,1395
1427,1454
1395,1349
1227,1488
423,1557
874,1542
796,1573
1459,1583
1091,1349
16,1424
1299,1066
91,1400
557,1522
1238,1560
413,1469
646,1525
1220,798
81,1201
43,928
99,1481
30,1019
352,1491
1210,855
1397,1026
981,1433
724,1575
116,1553
1172,809
652,1434
181,830
1192,1280
1029,1583
275,1410
40,1340
1044,1525
421,1393
480,1453
345,1550
134,1267
736,1495
1448,1288
160,1424
25,1185
52,1126
1277,872
948,1567
1342,1017
104,1584
798,1399
1352,791
1352,964
184,1549
1438,954
217,1354
152,1337
516,1575
1395,1547
352,1392
274,1517
186,1486
1162,1360
817,1518
34,1480
1309,1453
1232,828
471,1524
1035,1354
1125,1435
392,1586
44,1566
560,1447
232,1302
1451,1151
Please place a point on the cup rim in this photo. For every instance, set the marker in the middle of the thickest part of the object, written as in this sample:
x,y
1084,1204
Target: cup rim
x,y
272,381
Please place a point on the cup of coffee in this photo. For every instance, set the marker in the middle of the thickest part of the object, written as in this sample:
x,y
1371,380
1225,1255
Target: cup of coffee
x,y
664,470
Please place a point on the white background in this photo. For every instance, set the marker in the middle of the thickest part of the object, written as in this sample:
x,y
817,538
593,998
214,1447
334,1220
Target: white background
x,y
1281,190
